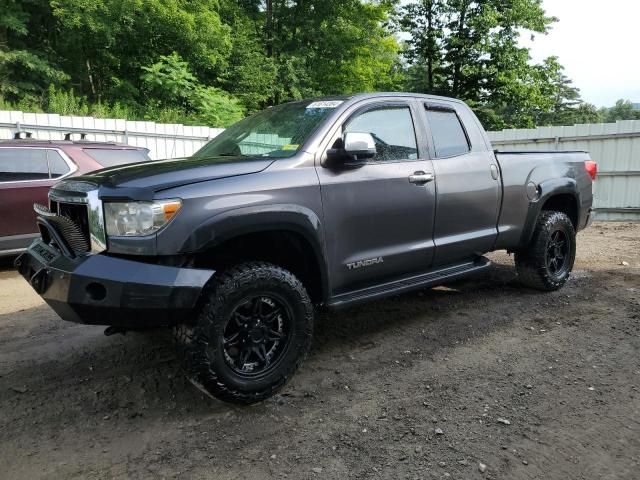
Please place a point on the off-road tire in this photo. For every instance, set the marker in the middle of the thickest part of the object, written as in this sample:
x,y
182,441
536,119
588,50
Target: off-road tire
x,y
532,262
200,344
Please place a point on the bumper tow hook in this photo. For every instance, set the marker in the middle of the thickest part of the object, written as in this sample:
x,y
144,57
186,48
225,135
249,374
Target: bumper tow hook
x,y
39,280
113,330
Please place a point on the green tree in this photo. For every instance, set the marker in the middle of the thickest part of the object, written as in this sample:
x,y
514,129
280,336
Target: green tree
x,y
622,110
470,49
584,113
216,107
213,60
24,68
424,22
565,106
105,44
329,46
251,75
170,80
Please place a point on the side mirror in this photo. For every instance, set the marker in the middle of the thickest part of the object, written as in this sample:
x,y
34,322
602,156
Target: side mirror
x,y
360,146
351,150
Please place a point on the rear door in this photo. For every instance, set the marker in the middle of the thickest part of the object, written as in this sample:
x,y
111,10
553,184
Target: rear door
x,y
467,182
26,174
378,224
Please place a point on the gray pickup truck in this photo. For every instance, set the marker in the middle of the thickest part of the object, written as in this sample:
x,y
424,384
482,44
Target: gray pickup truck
x,y
326,202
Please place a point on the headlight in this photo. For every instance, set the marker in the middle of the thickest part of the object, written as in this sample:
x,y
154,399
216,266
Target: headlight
x,y
134,219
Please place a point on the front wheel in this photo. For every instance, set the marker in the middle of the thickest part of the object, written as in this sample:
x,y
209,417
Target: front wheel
x,y
548,260
254,329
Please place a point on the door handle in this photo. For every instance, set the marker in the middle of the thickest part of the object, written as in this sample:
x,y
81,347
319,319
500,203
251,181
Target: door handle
x,y
494,172
420,178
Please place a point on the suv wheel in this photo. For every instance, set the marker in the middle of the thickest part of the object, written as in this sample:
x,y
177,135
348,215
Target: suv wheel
x,y
251,334
547,262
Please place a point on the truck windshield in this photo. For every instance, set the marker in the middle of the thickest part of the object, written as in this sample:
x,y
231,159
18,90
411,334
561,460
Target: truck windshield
x,y
277,132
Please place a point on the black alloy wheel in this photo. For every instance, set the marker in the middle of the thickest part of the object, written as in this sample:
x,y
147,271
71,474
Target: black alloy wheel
x,y
546,262
251,333
257,335
557,253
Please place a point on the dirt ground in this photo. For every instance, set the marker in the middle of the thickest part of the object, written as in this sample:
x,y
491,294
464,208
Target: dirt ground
x,y
425,385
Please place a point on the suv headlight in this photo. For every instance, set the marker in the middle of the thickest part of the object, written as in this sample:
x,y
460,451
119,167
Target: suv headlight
x,y
136,219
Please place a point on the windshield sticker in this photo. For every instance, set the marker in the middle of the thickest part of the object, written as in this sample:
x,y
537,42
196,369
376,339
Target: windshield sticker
x,y
325,104
290,146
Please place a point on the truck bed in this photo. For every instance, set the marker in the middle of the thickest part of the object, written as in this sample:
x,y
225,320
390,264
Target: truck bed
x,y
538,172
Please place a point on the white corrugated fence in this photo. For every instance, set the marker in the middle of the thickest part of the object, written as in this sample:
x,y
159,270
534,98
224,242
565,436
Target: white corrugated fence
x,y
616,148
163,140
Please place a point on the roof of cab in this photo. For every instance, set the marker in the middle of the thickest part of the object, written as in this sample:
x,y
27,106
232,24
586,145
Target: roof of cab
x,y
350,98
425,96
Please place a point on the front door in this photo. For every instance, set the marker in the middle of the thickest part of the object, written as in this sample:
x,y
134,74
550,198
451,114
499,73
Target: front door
x,y
379,216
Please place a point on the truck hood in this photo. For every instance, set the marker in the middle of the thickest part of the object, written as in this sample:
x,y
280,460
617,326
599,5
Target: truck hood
x,y
160,175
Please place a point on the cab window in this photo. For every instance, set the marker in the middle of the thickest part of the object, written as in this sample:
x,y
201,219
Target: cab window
x,y
449,138
392,130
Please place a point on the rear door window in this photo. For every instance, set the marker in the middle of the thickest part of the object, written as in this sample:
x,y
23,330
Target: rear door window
x,y
57,165
20,164
449,137
113,157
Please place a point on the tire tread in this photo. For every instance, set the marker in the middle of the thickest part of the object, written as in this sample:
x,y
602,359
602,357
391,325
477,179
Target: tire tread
x,y
192,340
530,265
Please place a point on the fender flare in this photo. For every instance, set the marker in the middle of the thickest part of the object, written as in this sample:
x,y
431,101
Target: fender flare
x,y
263,218
546,190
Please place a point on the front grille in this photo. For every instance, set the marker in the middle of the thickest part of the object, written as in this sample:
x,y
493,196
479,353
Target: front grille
x,y
76,212
70,221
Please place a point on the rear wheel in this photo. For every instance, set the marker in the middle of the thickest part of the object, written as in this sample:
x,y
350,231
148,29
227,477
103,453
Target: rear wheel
x,y
251,334
548,260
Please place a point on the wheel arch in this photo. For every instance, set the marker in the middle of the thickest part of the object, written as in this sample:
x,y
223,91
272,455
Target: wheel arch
x,y
560,194
287,235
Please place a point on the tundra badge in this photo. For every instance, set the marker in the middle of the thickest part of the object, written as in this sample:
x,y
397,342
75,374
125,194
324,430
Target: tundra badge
x,y
364,263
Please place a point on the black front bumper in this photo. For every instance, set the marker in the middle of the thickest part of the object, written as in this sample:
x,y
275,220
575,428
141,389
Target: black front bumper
x,y
104,290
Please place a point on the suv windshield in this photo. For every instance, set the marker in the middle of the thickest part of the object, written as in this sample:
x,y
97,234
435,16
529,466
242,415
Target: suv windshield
x,y
277,132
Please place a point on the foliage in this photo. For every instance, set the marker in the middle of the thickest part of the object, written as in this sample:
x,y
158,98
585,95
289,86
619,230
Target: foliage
x,y
177,89
67,102
622,110
105,43
211,60
469,49
284,49
24,71
216,107
214,61
169,79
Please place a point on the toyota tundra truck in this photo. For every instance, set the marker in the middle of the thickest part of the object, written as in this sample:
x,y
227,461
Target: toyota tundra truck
x,y
317,203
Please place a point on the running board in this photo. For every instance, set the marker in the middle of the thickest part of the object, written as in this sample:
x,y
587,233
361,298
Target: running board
x,y
433,278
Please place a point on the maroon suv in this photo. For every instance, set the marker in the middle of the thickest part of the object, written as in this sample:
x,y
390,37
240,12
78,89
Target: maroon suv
x,y
28,168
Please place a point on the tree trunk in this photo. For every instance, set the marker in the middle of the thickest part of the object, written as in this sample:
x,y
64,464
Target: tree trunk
x,y
269,28
431,52
3,38
90,76
457,65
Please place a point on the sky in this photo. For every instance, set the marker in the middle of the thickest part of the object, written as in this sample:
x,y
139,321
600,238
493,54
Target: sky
x,y
597,41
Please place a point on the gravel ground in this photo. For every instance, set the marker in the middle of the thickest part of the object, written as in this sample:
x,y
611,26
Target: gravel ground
x,y
441,383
